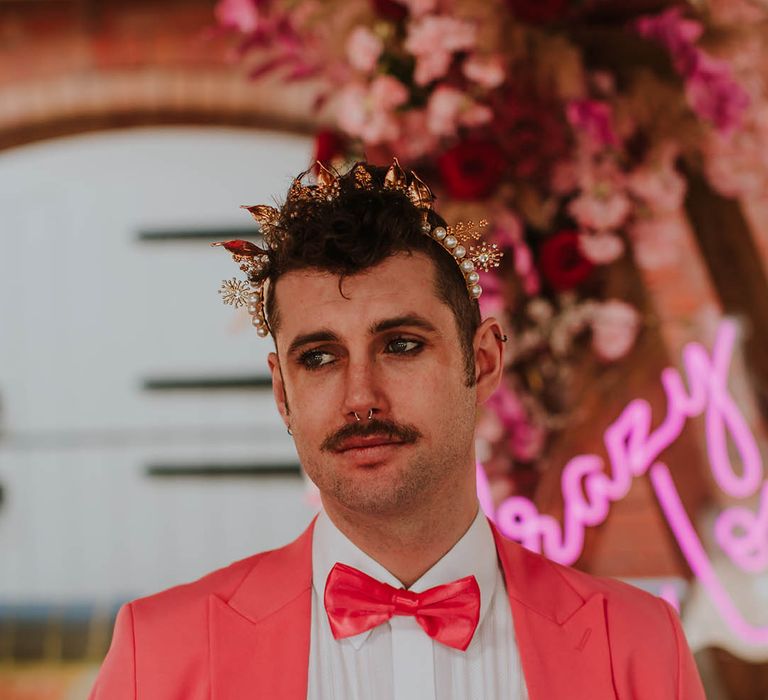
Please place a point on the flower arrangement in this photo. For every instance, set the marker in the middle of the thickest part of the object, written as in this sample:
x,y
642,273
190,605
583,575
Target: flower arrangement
x,y
567,124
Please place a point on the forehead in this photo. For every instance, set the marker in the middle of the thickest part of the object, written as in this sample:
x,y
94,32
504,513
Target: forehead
x,y
402,284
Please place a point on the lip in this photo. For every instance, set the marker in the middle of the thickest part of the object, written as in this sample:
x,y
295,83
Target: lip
x,y
362,445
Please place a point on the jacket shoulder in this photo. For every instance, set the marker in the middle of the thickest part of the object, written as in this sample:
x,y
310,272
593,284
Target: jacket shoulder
x,y
645,636
221,582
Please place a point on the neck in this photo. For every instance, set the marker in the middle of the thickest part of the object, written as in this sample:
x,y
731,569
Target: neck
x,y
408,544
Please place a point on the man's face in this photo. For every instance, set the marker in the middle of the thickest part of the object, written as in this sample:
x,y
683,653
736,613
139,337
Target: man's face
x,y
389,346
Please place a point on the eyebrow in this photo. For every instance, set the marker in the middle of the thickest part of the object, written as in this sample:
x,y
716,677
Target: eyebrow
x,y
387,324
412,320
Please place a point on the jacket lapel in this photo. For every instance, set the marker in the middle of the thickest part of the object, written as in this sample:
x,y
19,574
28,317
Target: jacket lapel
x,y
259,638
562,638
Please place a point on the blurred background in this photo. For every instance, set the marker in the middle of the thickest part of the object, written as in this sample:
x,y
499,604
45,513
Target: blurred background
x,y
618,151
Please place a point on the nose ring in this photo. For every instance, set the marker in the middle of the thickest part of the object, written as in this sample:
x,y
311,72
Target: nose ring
x,y
370,415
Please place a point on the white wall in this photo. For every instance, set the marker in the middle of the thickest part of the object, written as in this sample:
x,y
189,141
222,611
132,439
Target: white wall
x,y
86,313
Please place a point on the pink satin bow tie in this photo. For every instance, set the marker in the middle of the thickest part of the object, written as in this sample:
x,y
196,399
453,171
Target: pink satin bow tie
x,y
355,603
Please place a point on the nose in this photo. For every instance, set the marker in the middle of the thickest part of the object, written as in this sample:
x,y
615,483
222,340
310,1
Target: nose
x,y
364,394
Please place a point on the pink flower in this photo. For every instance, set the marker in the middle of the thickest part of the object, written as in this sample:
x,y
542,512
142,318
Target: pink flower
x,y
614,328
352,111
448,108
242,15
433,40
487,71
363,49
601,248
709,85
369,113
594,119
714,95
387,93
443,110
676,33
600,212
658,184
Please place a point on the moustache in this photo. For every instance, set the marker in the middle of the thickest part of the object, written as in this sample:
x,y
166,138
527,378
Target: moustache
x,y
392,431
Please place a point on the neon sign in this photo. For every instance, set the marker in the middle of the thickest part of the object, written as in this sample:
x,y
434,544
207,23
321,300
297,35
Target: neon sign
x,y
633,449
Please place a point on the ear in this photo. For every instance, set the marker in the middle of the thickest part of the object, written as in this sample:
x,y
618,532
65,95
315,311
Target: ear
x,y
278,387
489,358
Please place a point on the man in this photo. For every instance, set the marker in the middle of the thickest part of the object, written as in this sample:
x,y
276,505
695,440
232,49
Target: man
x,y
400,588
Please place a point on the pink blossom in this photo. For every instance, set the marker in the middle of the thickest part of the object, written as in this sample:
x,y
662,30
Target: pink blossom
x,y
242,15
368,113
363,49
487,71
601,248
448,108
594,119
675,32
615,325
431,66
658,183
714,95
433,40
709,85
352,111
387,93
443,110
600,212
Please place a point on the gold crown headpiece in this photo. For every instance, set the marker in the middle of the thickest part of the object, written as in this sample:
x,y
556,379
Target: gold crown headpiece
x,y
462,240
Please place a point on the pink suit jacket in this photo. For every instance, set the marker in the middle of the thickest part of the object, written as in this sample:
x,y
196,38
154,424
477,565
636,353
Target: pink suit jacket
x,y
244,631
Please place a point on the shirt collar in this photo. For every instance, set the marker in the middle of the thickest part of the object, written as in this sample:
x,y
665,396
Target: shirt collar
x,y
474,554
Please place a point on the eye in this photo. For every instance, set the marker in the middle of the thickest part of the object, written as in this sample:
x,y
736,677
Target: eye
x,y
314,359
403,346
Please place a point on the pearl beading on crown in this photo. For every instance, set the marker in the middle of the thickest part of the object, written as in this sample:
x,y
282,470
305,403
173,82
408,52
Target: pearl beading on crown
x,y
462,240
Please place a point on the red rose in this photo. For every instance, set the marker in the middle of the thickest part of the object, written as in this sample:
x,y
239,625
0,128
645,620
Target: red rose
x,y
561,261
389,9
471,169
329,145
538,11
531,135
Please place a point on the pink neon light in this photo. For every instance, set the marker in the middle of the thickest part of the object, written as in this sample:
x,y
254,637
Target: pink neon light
x,y
697,558
588,489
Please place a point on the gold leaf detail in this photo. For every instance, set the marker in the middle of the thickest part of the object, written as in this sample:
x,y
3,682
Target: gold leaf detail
x,y
395,178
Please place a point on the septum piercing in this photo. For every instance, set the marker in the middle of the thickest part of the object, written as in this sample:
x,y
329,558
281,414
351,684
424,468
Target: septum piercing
x,y
370,415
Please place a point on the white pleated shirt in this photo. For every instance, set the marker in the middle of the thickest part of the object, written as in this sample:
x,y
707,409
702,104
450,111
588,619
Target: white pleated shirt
x,y
398,660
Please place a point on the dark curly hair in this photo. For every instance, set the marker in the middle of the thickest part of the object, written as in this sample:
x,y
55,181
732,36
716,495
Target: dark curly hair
x,y
358,229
